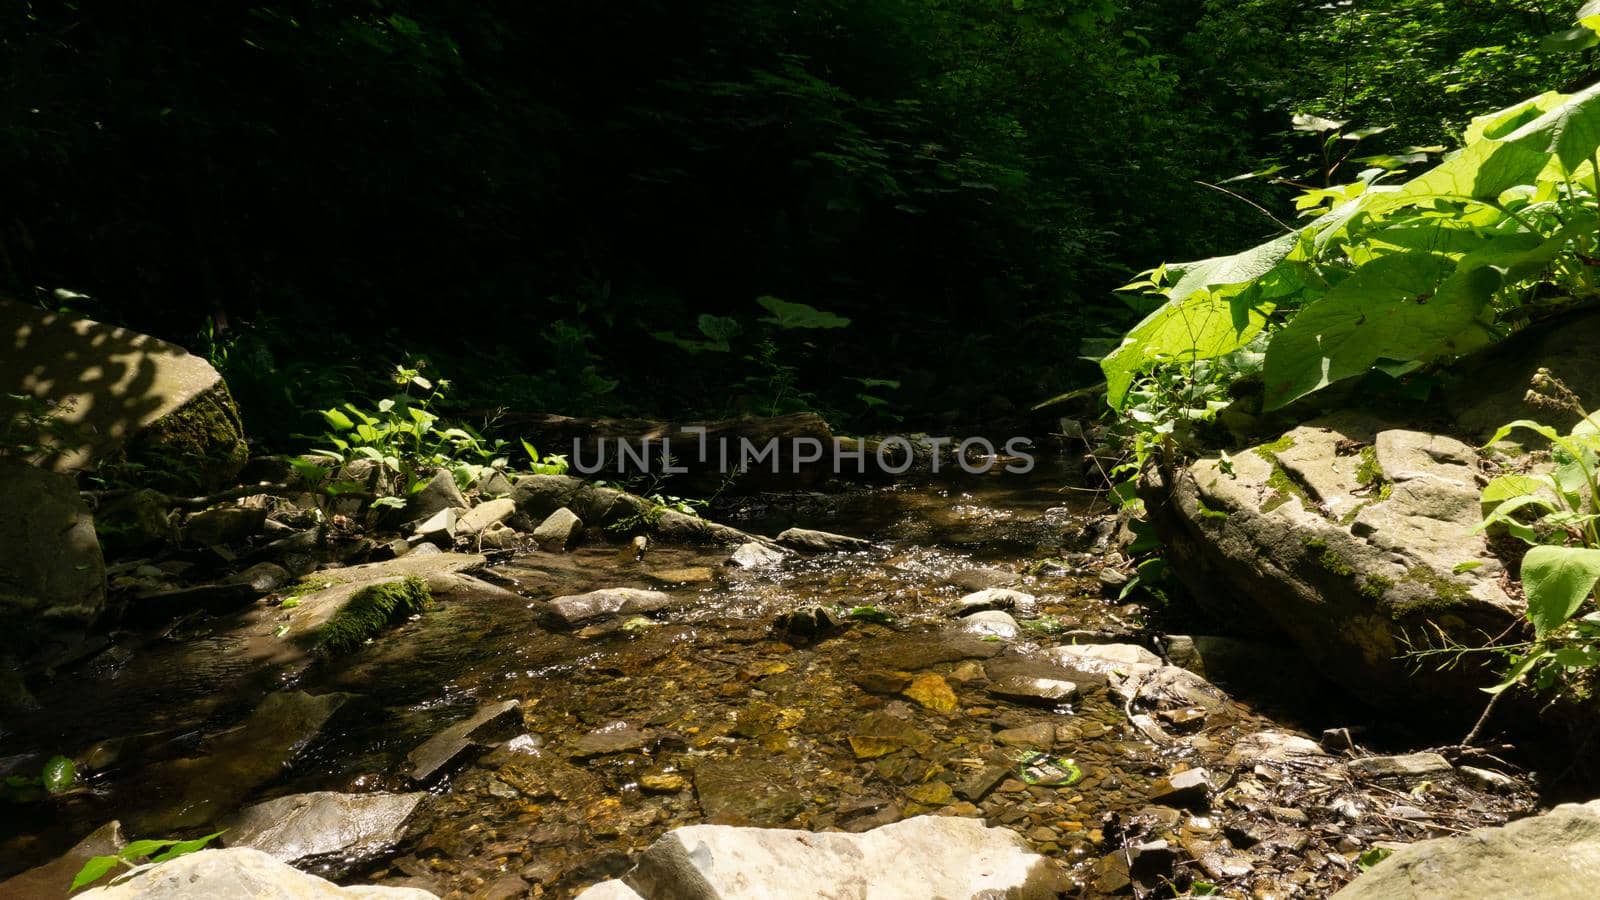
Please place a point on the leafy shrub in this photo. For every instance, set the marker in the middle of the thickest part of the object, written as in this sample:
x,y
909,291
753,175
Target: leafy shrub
x,y
1556,513
1393,275
407,442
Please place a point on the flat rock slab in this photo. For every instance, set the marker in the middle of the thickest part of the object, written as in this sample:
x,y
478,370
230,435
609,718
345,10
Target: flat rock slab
x,y
746,792
485,514
916,859
578,609
614,737
1410,765
239,874
474,733
238,761
307,827
1003,599
410,564
810,541
909,652
1105,659
1552,856
1039,691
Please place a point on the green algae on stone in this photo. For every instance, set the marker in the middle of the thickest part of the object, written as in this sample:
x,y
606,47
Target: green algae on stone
x,y
1270,451
369,610
1444,594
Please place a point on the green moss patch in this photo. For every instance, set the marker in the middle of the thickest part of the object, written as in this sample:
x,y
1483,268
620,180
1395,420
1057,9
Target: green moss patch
x,y
368,611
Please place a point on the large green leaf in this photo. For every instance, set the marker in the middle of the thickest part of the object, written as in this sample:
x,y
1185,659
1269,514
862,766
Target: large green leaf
x,y
1202,326
1571,131
1557,580
1399,307
1480,171
1219,271
798,315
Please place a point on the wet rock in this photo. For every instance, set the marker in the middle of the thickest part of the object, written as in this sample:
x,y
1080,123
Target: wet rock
x,y
751,555
1166,687
490,722
991,622
879,681
491,512
578,609
1104,659
993,599
663,783
1189,788
932,692
438,529
51,880
808,541
746,792
922,651
880,734
1112,581
438,495
237,761
1410,765
50,560
263,578
1039,691
558,531
223,525
1038,736
806,624
1552,855
982,783
310,828
689,575
1272,746
614,737
983,578
238,874
1216,857
926,856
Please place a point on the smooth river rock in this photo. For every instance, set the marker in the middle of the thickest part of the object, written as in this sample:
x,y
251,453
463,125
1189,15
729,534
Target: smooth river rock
x,y
577,609
303,828
924,857
1553,856
50,560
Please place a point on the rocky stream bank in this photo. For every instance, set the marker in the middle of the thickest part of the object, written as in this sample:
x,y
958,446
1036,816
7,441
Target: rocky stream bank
x,y
542,686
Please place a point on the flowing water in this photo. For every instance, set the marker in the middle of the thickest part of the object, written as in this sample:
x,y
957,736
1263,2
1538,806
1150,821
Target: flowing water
x,y
718,716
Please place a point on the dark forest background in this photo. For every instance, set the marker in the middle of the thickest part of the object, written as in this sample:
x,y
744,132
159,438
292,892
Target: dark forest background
x,y
885,210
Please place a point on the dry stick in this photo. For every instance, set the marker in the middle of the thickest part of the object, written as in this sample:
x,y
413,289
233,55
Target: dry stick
x,y
1259,208
1488,709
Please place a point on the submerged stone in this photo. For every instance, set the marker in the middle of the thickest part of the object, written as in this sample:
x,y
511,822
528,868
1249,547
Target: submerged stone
x,y
310,828
746,792
488,723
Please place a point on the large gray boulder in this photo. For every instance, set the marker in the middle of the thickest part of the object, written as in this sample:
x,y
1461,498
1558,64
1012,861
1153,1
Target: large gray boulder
x,y
1354,538
119,390
50,562
927,856
1553,856
239,874
308,828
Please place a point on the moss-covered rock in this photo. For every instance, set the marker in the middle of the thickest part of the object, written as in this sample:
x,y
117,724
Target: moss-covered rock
x,y
1353,538
339,618
124,397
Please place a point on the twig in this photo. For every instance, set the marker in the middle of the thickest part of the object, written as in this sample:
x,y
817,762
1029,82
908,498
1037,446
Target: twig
x,y
1238,196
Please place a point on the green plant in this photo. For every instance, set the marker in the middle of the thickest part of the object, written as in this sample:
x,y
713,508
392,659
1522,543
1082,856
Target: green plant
x,y
406,441
154,851
1393,275
1556,513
